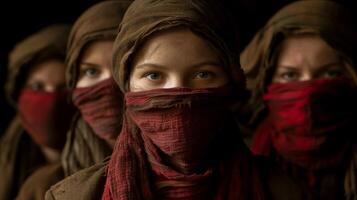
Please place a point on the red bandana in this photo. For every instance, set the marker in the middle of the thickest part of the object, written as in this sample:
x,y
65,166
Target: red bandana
x,y
308,122
101,107
174,146
46,116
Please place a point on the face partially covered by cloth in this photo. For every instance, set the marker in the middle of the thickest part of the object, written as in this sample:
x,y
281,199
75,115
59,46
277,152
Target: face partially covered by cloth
x,y
89,60
176,64
306,57
300,34
177,58
178,71
43,104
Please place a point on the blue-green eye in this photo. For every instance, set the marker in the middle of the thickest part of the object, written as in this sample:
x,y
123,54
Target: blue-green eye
x,y
153,76
91,72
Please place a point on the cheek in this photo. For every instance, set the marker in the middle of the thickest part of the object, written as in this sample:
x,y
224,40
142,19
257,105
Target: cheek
x,y
106,73
85,82
88,82
135,85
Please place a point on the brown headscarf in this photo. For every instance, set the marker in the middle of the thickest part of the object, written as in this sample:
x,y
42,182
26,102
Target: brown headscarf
x,y
331,21
145,18
100,22
48,42
19,155
130,173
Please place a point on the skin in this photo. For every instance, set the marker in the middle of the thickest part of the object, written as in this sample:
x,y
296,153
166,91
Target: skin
x,y
47,76
95,63
305,58
176,58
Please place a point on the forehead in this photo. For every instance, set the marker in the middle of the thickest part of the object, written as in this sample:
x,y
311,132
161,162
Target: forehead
x,y
97,50
305,49
50,70
178,45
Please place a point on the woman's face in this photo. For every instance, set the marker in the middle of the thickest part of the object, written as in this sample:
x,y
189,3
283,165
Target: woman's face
x,y
95,63
176,58
47,76
307,57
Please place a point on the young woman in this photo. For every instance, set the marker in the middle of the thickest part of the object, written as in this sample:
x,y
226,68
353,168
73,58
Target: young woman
x,y
36,88
175,61
301,70
97,97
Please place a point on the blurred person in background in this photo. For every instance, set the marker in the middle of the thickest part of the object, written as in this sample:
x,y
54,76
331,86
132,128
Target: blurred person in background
x,y
36,88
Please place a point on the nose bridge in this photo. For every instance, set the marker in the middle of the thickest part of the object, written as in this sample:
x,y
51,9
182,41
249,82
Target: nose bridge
x,y
54,87
106,73
50,88
178,80
308,74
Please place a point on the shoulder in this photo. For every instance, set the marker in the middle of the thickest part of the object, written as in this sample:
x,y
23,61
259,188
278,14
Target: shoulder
x,y
86,184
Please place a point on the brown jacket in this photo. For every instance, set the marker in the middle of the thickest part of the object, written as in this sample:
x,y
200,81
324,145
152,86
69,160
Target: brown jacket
x,y
43,179
88,184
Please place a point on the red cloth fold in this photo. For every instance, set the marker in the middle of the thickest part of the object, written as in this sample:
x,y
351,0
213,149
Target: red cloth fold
x,y
175,144
101,107
308,122
46,116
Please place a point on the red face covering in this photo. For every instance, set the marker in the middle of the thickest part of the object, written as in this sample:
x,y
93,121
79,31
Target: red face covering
x,y
46,116
182,124
308,122
101,107
174,146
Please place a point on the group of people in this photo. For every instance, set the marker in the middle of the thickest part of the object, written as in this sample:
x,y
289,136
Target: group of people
x,y
153,99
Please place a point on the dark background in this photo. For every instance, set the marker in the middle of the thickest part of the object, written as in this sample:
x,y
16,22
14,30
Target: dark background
x,y
23,17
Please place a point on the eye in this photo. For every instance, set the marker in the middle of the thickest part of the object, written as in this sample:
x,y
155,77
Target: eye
x,y
91,72
289,76
204,75
36,86
154,76
332,73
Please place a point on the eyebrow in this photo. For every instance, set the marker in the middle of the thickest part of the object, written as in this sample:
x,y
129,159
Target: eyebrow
x,y
322,67
199,64
88,64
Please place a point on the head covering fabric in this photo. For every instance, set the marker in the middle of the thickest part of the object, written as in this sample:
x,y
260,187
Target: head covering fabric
x,y
329,20
145,18
83,147
46,43
99,22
